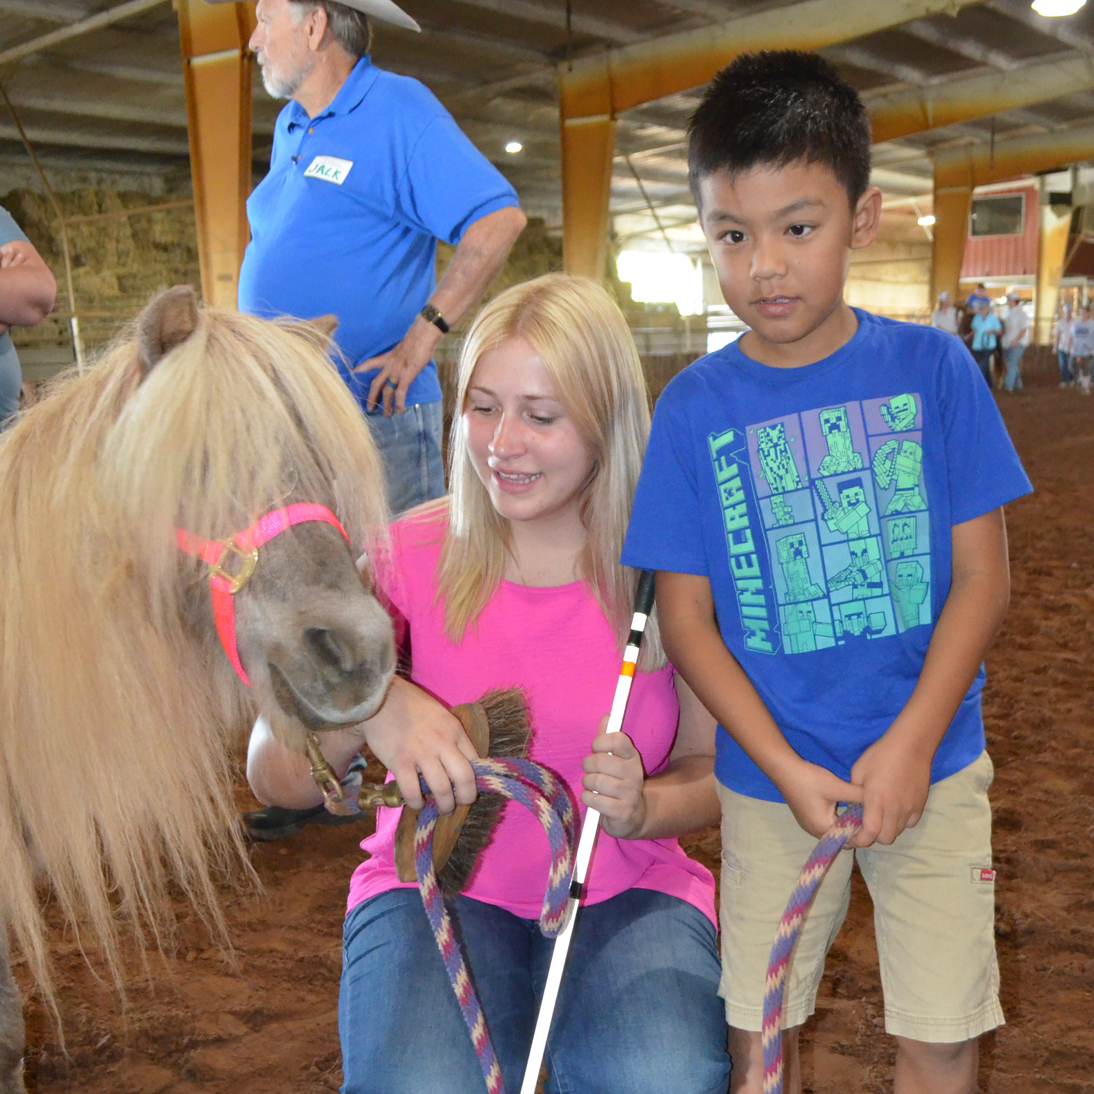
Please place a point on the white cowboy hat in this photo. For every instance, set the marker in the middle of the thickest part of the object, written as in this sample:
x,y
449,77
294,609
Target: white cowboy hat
x,y
386,10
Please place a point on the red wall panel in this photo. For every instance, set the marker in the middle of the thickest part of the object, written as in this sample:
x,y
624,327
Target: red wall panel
x,y
1005,256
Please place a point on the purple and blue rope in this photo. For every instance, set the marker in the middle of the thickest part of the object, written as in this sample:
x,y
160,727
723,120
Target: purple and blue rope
x,y
547,797
845,826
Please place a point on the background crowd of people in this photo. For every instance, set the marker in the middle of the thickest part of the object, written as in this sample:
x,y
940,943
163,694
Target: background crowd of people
x,y
996,341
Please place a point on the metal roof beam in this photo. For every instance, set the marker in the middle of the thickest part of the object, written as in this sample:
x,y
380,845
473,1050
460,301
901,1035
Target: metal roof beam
x,y
968,48
47,13
75,30
555,16
1021,12
618,79
93,107
864,58
67,137
980,164
913,110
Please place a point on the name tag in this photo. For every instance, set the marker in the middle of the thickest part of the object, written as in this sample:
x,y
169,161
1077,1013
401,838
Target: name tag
x,y
329,169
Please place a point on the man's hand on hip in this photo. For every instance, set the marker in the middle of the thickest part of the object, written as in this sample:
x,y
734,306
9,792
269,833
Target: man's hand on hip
x,y
399,366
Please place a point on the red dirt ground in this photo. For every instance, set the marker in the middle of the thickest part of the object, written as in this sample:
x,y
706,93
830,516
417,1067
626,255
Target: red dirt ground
x,y
268,1022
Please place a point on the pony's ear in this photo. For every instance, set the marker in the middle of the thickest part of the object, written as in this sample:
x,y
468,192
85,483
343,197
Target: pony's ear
x,y
167,320
319,332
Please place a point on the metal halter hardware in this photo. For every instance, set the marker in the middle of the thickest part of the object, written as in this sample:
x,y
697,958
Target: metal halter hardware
x,y
225,582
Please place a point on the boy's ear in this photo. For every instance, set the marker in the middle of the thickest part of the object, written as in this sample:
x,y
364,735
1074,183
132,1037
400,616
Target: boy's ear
x,y
866,219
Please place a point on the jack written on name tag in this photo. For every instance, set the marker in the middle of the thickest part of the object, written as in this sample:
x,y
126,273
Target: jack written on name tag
x,y
329,169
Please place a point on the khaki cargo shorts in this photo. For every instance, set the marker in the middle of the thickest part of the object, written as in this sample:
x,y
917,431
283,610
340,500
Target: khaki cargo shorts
x,y
934,912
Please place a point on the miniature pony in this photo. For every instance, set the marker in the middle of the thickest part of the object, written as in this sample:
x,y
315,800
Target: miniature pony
x,y
120,714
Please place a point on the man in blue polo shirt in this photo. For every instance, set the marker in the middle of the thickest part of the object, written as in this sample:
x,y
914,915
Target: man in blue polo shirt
x,y
368,171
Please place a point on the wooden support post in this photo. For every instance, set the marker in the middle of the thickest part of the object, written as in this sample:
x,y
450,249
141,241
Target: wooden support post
x,y
953,186
1051,248
588,147
217,70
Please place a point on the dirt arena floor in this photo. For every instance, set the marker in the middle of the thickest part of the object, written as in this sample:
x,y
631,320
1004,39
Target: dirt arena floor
x,y
268,1023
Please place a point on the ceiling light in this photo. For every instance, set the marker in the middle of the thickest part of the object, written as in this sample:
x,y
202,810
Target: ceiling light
x,y
925,222
513,147
1056,8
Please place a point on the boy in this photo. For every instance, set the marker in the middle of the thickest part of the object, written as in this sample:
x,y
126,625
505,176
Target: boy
x,y
822,502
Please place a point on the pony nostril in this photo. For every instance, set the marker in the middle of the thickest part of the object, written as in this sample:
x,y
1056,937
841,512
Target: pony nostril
x,y
331,649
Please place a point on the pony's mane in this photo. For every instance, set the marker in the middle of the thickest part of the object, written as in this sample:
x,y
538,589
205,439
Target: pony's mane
x,y
118,732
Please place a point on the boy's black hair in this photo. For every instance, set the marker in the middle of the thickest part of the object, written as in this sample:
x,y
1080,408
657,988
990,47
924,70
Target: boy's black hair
x,y
777,108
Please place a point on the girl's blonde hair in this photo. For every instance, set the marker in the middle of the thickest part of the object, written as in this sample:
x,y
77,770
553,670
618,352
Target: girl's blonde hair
x,y
582,337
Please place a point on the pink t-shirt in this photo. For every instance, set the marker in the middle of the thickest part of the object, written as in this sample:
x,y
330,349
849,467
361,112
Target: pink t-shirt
x,y
557,646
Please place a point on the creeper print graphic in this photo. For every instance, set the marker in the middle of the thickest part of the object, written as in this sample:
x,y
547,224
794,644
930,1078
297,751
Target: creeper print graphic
x,y
776,460
801,629
909,591
900,461
863,573
899,412
853,621
850,515
793,551
842,456
902,533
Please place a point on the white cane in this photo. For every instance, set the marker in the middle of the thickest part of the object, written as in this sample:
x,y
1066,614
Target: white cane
x,y
643,605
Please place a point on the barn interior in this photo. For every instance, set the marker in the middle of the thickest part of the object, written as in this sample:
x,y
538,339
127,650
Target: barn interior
x,y
583,107
130,135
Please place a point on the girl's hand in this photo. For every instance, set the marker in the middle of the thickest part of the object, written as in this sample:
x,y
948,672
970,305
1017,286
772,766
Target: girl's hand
x,y
413,734
614,783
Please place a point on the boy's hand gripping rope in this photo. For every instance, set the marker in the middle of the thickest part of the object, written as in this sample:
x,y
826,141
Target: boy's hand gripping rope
x,y
547,797
845,826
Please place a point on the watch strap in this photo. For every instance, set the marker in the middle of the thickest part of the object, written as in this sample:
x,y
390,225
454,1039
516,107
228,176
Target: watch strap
x,y
431,315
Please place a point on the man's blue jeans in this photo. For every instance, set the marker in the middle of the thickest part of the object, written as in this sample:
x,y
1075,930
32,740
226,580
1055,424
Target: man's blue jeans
x,y
1066,375
1013,357
410,445
638,1012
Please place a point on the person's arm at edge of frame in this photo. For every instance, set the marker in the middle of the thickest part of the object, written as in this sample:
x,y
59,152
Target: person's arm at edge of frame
x,y
28,289
895,771
681,798
411,733
693,642
479,255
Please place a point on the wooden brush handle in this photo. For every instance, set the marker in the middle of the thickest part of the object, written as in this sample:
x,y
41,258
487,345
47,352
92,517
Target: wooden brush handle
x,y
477,726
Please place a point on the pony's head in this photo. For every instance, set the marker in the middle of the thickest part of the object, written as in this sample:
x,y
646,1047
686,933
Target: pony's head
x,y
121,717
234,418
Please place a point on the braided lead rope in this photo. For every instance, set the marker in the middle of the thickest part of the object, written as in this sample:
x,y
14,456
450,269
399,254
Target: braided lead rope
x,y
845,826
547,797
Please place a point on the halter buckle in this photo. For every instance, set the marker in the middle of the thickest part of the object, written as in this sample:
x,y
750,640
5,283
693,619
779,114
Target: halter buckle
x,y
247,564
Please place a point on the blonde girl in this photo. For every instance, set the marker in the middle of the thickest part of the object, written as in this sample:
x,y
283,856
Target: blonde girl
x,y
514,580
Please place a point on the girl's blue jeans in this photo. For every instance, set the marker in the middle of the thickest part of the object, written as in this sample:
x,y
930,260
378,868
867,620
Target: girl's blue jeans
x,y
638,1010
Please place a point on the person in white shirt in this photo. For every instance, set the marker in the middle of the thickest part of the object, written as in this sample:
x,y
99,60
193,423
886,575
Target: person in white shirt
x,y
944,317
1061,343
1015,330
1082,349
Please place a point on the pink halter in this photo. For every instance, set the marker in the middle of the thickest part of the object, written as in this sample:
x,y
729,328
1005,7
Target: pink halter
x,y
223,585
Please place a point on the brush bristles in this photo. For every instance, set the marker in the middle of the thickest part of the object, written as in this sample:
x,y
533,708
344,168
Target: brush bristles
x,y
510,735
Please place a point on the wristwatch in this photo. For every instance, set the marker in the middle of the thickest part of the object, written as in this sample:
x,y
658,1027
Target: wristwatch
x,y
431,315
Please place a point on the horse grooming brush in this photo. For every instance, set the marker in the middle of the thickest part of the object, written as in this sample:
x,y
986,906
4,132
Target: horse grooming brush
x,y
498,727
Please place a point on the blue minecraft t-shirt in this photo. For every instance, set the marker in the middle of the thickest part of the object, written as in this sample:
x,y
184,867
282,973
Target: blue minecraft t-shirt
x,y
819,502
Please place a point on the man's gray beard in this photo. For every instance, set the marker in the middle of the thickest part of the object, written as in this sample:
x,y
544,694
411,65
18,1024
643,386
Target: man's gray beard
x,y
282,85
